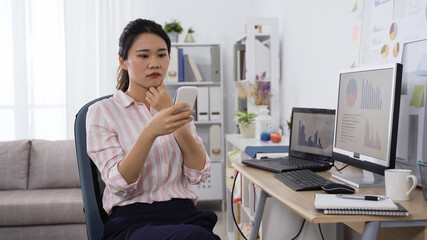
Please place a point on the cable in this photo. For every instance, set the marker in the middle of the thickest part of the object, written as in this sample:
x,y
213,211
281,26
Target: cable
x,y
339,169
320,230
302,225
232,207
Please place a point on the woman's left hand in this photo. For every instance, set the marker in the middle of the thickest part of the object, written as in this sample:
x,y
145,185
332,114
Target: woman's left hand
x,y
159,97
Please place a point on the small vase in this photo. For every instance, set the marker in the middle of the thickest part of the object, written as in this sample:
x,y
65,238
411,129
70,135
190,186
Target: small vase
x,y
189,38
247,131
173,36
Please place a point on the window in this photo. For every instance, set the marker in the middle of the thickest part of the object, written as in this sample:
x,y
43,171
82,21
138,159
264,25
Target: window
x,y
7,112
33,92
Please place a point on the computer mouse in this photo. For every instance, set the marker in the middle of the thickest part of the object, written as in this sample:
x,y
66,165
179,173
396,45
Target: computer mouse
x,y
337,188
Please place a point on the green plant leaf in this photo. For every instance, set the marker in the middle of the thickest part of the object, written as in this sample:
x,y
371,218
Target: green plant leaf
x,y
244,118
173,26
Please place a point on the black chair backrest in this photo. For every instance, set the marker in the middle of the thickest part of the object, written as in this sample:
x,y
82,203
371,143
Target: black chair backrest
x,y
90,180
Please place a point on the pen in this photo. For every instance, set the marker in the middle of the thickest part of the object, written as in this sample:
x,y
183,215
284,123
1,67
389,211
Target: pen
x,y
362,197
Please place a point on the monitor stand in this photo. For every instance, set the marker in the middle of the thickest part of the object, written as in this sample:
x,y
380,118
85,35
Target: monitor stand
x,y
365,180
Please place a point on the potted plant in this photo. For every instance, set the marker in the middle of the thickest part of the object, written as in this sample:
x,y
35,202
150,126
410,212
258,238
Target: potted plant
x,y
189,38
173,29
246,123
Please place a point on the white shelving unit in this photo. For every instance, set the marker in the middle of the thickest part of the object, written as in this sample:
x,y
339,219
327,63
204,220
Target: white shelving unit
x,y
201,53
256,52
245,209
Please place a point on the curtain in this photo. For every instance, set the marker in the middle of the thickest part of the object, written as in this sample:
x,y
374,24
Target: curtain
x,y
56,56
92,30
7,111
33,97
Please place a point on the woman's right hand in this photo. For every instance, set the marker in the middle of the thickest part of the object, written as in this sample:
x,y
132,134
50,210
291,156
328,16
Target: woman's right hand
x,y
167,120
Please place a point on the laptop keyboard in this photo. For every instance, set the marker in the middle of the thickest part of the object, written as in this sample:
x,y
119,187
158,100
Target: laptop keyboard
x,y
293,162
302,180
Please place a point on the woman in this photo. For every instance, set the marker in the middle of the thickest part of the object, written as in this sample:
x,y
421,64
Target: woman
x,y
146,152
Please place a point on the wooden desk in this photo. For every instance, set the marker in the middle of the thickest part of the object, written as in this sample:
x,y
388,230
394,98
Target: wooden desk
x,y
302,203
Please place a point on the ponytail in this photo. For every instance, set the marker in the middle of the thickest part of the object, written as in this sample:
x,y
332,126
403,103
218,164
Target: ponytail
x,y
122,79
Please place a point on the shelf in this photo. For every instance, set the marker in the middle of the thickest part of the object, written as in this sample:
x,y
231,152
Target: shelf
x,y
177,84
207,122
217,161
195,44
256,54
190,62
260,36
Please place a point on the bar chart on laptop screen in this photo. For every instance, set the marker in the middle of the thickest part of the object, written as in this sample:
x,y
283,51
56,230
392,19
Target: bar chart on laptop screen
x,y
364,108
314,133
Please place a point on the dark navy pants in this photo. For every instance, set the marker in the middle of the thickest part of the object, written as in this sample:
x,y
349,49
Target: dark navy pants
x,y
174,219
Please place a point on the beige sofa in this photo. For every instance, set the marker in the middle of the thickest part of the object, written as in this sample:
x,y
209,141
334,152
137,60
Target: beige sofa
x,y
40,195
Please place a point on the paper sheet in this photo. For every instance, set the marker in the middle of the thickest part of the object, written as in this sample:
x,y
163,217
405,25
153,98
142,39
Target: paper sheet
x,y
417,96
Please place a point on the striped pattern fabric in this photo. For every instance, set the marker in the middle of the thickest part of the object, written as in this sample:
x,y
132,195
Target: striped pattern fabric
x,y
112,126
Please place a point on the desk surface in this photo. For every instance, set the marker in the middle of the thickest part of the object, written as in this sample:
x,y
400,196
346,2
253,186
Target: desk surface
x,y
302,203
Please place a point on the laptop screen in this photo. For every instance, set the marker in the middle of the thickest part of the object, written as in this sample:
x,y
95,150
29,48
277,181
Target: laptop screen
x,y
312,134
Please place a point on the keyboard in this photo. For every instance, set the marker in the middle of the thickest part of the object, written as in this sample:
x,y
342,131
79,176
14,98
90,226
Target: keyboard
x,y
302,180
293,162
286,164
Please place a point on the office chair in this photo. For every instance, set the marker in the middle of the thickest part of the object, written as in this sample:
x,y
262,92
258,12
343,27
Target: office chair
x,y
90,180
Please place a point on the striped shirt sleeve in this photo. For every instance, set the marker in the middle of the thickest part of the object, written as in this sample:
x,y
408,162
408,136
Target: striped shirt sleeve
x,y
105,150
195,176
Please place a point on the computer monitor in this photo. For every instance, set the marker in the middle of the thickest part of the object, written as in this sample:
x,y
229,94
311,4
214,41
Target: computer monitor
x,y
367,122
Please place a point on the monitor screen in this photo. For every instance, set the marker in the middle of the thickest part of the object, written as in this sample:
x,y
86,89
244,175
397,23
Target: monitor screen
x,y
312,133
367,117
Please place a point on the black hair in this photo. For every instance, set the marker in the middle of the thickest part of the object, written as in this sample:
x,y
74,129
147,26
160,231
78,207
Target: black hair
x,y
128,36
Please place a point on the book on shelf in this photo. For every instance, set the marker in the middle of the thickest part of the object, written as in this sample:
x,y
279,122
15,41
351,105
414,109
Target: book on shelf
x,y
332,204
215,64
242,65
188,73
180,65
195,70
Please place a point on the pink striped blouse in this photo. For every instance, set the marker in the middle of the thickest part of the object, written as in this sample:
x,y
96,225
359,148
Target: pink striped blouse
x,y
113,125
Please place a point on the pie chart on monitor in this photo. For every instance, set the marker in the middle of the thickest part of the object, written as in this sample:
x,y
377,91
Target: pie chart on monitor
x,y
351,93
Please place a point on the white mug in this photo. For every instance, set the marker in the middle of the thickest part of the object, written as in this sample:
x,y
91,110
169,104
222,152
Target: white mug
x,y
398,185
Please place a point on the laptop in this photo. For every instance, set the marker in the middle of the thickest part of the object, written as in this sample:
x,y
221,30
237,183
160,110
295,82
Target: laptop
x,y
310,143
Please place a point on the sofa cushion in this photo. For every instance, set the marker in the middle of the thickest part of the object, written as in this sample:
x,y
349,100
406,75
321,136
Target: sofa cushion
x,y
14,156
53,164
41,207
45,232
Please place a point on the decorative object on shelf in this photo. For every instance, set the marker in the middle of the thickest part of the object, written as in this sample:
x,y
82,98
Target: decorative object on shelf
x,y
275,137
173,29
241,89
260,90
246,123
189,38
263,124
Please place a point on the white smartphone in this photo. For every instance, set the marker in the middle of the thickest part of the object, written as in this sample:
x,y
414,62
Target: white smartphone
x,y
187,94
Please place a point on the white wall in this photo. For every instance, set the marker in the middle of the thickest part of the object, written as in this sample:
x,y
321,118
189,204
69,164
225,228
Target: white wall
x,y
220,21
315,42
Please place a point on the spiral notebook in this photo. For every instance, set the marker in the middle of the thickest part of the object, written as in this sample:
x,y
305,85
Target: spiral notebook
x,y
331,204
